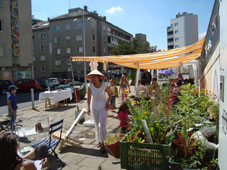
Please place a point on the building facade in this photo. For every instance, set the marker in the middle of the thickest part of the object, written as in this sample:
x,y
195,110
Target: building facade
x,y
183,30
15,39
59,38
142,38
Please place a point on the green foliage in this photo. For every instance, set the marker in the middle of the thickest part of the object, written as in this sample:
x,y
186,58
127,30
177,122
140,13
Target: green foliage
x,y
193,108
214,162
153,111
196,160
134,47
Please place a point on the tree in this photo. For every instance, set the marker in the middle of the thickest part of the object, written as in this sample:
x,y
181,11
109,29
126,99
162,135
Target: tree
x,y
134,47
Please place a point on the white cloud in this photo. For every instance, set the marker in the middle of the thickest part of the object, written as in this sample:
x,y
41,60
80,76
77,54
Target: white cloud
x,y
201,35
114,10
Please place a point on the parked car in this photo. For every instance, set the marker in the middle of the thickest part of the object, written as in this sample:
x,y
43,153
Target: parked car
x,y
27,84
4,85
42,83
52,82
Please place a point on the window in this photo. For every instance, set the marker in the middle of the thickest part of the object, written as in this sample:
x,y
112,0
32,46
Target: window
x,y
33,58
78,26
108,29
79,49
43,69
93,49
42,47
0,3
1,25
176,24
33,36
176,46
58,51
67,38
104,39
69,62
79,38
176,31
57,62
57,28
104,28
177,39
1,51
42,58
42,36
68,50
56,40
93,37
105,50
67,27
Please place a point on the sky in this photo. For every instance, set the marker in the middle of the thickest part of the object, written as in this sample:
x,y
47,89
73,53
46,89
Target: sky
x,y
150,17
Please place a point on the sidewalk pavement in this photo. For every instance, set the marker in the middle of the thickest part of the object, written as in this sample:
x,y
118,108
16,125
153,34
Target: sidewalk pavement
x,y
85,157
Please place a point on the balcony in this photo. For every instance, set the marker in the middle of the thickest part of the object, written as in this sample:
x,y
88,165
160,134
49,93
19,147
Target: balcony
x,y
170,43
170,36
169,29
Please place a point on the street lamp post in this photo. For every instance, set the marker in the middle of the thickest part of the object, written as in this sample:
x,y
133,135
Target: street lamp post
x,y
84,48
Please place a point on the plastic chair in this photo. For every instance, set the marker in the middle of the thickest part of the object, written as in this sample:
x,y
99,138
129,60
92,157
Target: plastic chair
x,y
52,143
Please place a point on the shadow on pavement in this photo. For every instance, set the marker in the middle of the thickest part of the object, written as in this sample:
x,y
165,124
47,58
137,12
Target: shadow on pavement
x,y
84,151
55,163
60,109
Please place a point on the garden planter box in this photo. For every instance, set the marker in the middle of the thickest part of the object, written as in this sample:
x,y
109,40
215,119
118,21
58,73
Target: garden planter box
x,y
144,156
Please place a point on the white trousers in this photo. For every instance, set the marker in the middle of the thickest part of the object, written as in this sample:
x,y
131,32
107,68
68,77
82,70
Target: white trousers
x,y
100,117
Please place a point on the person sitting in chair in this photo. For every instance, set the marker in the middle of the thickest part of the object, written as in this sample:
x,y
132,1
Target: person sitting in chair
x,y
10,159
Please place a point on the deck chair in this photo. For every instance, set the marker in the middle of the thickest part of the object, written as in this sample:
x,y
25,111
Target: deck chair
x,y
53,143
65,138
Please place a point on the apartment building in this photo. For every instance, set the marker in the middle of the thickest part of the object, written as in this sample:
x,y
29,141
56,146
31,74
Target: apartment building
x,y
183,30
59,38
15,39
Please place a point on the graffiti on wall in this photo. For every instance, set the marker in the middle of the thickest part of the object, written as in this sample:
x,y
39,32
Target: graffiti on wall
x,y
15,30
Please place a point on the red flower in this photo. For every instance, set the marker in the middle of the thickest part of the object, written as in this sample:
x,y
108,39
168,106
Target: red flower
x,y
134,139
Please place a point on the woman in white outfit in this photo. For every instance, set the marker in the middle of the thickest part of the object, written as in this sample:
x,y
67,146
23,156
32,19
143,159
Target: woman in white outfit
x,y
98,104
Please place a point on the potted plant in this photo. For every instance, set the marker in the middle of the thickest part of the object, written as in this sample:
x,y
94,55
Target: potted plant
x,y
147,147
193,108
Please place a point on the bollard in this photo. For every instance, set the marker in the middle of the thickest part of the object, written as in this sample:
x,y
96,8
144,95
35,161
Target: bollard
x,y
32,97
7,97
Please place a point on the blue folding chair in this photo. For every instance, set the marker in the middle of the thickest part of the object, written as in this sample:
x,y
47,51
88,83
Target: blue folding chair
x,y
52,143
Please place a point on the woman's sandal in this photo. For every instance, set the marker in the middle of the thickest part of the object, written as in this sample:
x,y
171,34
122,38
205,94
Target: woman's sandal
x,y
102,149
99,145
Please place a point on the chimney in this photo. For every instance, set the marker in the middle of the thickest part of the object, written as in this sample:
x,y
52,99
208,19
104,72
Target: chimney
x,y
104,18
85,8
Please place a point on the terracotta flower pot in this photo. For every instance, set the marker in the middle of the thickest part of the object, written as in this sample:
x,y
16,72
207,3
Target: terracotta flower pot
x,y
181,144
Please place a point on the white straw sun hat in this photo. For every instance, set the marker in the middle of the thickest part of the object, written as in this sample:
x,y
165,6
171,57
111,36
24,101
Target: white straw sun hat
x,y
95,72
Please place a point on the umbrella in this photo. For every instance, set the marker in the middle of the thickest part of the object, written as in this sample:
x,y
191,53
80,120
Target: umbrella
x,y
165,71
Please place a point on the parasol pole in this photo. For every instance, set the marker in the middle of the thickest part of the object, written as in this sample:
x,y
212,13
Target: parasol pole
x,y
137,77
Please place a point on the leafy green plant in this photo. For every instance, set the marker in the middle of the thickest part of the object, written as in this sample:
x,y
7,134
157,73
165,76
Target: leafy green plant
x,y
152,110
193,108
196,160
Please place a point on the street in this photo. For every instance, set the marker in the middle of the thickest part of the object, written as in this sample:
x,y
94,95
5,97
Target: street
x,y
23,100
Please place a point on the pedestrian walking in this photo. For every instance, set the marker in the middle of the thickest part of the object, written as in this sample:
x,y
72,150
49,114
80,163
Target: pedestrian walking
x,y
114,91
98,104
12,106
142,89
146,76
124,87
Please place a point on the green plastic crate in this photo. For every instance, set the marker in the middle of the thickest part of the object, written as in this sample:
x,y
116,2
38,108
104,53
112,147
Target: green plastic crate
x,y
144,156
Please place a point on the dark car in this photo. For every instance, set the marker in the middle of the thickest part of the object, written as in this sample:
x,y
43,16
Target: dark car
x,y
4,85
42,83
27,84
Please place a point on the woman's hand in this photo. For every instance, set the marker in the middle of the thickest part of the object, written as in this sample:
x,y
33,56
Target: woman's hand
x,y
45,163
107,106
